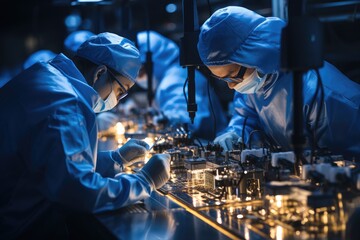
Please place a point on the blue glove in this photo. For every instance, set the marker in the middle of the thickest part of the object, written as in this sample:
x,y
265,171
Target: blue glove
x,y
132,151
157,170
227,140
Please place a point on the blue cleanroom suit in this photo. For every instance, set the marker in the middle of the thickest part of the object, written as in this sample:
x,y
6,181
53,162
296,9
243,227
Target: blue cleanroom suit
x,y
169,78
43,55
48,151
238,35
73,41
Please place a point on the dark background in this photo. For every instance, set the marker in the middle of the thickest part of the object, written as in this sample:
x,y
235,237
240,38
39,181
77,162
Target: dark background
x,y
27,26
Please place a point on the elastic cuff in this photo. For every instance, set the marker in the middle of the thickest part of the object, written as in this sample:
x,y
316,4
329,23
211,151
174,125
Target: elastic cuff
x,y
147,178
116,157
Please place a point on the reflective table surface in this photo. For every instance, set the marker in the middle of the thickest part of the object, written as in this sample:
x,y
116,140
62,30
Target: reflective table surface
x,y
157,217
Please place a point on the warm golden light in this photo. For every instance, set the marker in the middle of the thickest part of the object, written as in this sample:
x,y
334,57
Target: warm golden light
x,y
278,199
218,216
149,141
279,232
231,210
240,216
246,232
120,129
262,212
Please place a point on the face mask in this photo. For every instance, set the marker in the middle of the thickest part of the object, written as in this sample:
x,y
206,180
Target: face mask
x,y
250,84
105,105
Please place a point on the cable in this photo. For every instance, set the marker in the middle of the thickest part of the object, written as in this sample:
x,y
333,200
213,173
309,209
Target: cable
x,y
321,102
184,90
250,135
202,147
309,129
241,178
212,109
243,134
264,140
319,87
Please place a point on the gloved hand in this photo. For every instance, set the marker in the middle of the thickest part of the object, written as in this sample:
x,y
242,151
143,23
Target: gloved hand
x,y
157,170
133,151
227,139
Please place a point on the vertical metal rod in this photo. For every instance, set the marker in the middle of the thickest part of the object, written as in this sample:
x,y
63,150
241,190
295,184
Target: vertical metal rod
x,y
298,138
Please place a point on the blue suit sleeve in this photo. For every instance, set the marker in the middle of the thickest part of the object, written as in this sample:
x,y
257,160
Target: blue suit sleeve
x,y
65,166
108,164
172,103
244,115
338,122
169,79
170,97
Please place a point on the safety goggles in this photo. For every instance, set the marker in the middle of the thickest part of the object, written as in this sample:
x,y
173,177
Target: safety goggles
x,y
123,91
235,79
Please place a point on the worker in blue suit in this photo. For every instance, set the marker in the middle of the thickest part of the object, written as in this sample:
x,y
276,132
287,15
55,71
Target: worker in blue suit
x,y
42,55
73,41
242,48
49,163
168,84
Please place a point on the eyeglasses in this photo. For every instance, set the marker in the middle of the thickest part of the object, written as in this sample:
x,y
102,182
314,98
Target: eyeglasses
x,y
123,92
236,79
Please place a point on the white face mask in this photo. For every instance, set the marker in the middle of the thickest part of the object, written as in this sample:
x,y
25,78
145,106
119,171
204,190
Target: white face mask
x,y
105,105
250,84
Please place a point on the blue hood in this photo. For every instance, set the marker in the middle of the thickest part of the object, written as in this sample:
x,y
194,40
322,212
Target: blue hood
x,y
165,52
238,35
